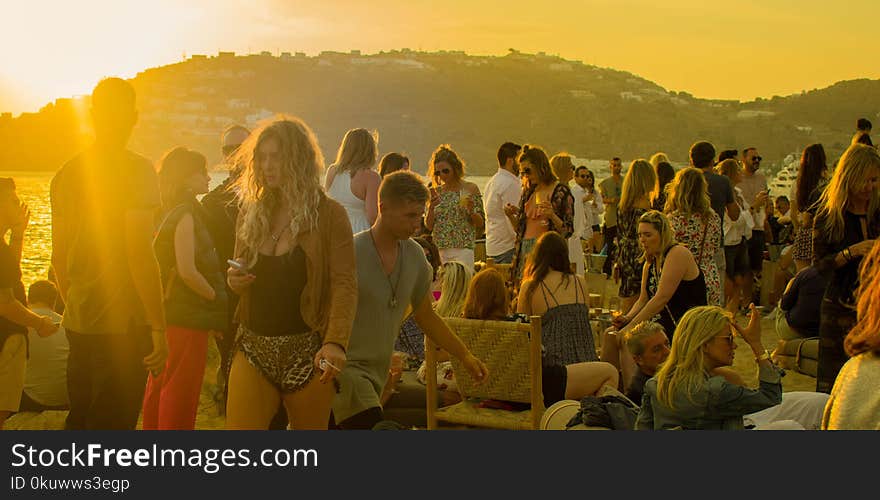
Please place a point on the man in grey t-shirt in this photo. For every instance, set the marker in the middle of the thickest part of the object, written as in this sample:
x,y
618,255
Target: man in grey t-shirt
x,y
393,278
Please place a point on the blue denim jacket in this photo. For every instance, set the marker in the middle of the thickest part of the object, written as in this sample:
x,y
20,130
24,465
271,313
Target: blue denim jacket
x,y
718,405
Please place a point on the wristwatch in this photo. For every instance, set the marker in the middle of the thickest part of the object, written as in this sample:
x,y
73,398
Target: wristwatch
x,y
764,355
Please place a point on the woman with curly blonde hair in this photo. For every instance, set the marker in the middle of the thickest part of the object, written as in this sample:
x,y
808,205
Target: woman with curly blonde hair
x,y
296,281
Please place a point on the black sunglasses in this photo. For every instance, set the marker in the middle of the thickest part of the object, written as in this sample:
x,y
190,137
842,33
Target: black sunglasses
x,y
444,171
584,176
526,171
757,159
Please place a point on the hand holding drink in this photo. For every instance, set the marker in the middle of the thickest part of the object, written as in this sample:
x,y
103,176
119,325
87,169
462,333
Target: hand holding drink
x,y
543,208
465,201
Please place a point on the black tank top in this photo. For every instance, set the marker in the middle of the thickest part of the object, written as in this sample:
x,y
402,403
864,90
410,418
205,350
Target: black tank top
x,y
276,293
689,294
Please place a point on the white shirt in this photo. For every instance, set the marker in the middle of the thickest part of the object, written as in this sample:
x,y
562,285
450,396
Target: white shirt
x,y
734,232
582,215
575,250
45,380
503,188
750,187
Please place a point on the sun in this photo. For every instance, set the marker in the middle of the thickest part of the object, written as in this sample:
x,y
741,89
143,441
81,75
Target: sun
x,y
62,49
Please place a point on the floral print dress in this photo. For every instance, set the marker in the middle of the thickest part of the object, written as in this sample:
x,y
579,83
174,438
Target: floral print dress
x,y
703,240
452,226
629,253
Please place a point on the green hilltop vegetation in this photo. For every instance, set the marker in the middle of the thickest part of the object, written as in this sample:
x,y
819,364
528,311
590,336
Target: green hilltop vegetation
x,y
417,100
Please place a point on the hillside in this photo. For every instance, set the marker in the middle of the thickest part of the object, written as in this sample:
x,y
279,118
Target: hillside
x,y
418,100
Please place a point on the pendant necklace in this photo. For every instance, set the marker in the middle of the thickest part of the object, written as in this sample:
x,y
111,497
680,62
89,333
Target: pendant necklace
x,y
393,302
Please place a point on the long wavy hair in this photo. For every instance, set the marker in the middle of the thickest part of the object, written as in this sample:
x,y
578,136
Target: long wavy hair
x,y
689,194
301,164
550,254
455,278
640,180
855,166
487,296
865,335
358,151
812,167
685,369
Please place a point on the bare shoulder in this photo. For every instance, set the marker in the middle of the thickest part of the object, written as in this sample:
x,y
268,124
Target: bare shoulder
x,y
679,253
470,187
371,175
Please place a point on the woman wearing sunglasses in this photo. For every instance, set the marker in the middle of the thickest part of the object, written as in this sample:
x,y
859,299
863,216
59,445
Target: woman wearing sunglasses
x,y
545,205
455,214
683,395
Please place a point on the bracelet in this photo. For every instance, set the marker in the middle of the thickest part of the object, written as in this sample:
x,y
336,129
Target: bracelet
x,y
847,254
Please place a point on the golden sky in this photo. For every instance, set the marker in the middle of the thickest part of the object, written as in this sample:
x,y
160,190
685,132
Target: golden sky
x,y
714,49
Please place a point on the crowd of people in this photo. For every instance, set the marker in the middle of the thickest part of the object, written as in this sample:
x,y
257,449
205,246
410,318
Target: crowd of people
x,y
315,283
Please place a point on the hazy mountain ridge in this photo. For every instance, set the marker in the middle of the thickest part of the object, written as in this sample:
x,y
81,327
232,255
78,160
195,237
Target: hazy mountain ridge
x,y
417,101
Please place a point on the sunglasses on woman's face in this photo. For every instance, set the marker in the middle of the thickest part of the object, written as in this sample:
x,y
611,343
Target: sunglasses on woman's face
x,y
526,171
583,176
444,171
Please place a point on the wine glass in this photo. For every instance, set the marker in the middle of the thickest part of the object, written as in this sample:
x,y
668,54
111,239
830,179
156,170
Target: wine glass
x,y
539,199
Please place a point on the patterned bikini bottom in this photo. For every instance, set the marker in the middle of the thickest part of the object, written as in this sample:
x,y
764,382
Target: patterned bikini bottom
x,y
287,362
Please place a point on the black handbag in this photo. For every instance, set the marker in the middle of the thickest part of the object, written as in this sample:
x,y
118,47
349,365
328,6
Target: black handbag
x,y
611,411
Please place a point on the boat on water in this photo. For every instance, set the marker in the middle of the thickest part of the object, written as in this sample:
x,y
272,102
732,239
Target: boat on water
x,y
783,182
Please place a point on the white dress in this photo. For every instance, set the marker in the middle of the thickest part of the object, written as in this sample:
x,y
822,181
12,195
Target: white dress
x,y
355,207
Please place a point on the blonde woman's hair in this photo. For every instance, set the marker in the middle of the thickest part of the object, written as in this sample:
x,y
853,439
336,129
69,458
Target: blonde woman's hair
x,y
661,224
301,163
561,165
728,168
453,289
640,180
359,150
684,369
689,194
659,158
853,170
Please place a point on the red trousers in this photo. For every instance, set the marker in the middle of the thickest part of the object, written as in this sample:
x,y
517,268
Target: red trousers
x,y
171,399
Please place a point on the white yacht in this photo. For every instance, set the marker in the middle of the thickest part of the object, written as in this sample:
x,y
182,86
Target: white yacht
x,y
784,180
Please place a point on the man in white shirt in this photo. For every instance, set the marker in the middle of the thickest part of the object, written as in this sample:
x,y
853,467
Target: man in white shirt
x,y
504,188
45,382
